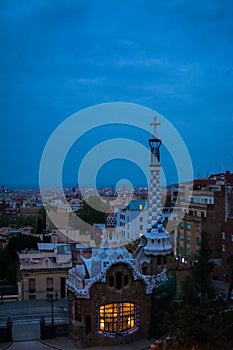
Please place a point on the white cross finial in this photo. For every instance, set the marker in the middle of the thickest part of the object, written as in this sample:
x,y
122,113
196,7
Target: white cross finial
x,y
155,124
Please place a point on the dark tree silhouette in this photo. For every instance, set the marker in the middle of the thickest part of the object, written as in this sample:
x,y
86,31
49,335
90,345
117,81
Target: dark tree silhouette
x,y
230,268
199,318
93,210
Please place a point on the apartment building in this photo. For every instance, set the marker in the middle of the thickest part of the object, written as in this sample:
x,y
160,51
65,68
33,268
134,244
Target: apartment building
x,y
211,211
44,270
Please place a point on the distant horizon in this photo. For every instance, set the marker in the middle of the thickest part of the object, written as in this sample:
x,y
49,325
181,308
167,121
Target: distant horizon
x,y
99,187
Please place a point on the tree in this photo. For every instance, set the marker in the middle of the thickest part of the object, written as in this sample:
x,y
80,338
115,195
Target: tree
x,y
21,242
8,256
17,221
89,214
200,326
201,273
41,221
199,316
230,269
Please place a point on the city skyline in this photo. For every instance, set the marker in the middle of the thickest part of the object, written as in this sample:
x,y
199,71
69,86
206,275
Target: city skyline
x,y
59,58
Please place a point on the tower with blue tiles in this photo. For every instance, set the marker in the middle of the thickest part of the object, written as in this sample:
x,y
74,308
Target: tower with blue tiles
x,y
154,245
111,292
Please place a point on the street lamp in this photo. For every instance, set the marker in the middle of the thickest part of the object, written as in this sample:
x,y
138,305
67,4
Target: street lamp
x,y
52,299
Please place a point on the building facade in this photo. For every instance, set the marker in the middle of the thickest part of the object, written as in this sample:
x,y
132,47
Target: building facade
x,y
210,211
44,271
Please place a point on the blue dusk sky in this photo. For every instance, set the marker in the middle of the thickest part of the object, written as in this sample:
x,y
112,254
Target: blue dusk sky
x,y
59,57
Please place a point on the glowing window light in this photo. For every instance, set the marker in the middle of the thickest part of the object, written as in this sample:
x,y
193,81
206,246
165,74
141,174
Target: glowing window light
x,y
78,311
117,317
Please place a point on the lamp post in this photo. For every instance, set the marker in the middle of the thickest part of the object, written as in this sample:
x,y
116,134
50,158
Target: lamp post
x,y
52,299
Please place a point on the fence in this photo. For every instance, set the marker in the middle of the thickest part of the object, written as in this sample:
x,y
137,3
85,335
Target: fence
x,y
49,331
8,292
6,332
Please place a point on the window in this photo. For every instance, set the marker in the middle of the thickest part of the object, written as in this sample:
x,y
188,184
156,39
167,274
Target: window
x,y
144,269
117,317
198,228
111,281
140,206
198,241
32,296
188,227
32,285
77,311
188,240
118,280
188,251
231,238
141,218
223,235
140,227
49,284
223,248
181,224
159,260
181,237
63,249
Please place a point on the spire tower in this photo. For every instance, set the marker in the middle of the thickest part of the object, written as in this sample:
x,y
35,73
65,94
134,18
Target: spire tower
x,y
154,205
154,245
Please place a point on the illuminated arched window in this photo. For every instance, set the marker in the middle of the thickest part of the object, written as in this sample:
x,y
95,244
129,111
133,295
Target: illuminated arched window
x,y
77,311
117,318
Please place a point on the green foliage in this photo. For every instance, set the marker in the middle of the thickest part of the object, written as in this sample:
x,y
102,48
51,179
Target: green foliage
x,y
93,210
8,256
41,221
230,262
21,242
230,267
38,223
8,268
199,316
230,271
202,270
200,326
17,221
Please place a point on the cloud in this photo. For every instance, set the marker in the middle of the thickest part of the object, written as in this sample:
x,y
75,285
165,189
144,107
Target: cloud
x,y
147,62
86,81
